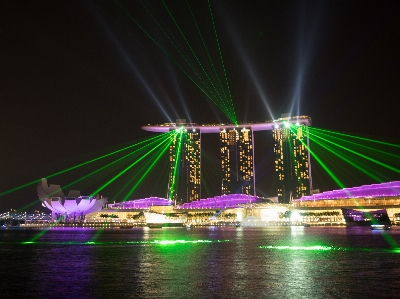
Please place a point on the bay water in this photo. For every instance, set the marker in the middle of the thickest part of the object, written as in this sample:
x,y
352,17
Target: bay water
x,y
208,262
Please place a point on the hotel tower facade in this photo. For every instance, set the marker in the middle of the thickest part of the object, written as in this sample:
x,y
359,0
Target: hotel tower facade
x,y
237,161
292,162
184,183
292,157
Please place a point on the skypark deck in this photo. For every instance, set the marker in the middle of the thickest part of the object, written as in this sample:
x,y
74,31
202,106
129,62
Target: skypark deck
x,y
216,128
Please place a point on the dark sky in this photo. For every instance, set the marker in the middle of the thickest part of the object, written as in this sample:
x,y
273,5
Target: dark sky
x,y
79,78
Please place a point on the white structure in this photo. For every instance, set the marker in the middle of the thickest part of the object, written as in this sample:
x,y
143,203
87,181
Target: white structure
x,y
70,208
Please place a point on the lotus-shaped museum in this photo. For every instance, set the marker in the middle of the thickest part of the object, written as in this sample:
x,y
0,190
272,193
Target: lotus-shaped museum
x,y
74,206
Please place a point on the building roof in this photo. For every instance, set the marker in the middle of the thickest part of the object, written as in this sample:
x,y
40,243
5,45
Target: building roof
x,y
365,191
216,128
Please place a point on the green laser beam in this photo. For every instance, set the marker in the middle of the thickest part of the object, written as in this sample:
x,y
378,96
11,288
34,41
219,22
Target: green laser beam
x,y
96,235
137,173
77,166
207,94
126,169
192,67
357,137
41,233
194,54
362,155
362,169
99,169
177,142
205,48
111,163
222,61
358,144
143,168
162,151
337,181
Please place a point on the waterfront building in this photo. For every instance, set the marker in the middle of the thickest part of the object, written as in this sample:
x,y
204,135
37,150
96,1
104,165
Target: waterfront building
x,y
318,209
237,161
143,203
72,207
292,160
375,195
363,199
185,166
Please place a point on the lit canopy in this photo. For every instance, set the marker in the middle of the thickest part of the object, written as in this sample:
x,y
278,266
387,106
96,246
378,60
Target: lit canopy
x,y
216,128
374,190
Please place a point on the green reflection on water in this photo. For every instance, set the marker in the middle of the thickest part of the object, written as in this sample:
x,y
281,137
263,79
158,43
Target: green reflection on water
x,y
328,248
316,247
155,242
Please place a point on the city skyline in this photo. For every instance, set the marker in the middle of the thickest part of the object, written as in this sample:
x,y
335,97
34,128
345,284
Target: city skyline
x,y
81,79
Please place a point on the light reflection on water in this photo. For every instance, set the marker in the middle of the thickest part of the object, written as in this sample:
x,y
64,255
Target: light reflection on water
x,y
276,262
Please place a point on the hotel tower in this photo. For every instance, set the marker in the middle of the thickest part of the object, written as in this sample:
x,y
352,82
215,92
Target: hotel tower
x,y
292,158
184,157
292,161
237,161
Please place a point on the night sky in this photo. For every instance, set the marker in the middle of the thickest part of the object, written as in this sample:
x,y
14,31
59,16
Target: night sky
x,y
79,78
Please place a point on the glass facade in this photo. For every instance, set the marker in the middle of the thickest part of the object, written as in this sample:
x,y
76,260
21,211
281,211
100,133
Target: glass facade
x,y
237,161
185,167
292,175
292,158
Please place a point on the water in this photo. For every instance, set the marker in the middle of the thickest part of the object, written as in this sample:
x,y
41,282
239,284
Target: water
x,y
229,262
